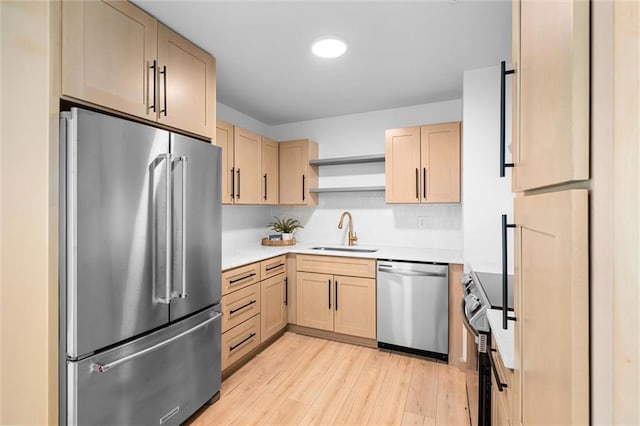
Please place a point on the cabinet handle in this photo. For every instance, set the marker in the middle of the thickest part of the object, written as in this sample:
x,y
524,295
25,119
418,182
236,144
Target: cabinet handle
x,y
303,187
164,80
246,305
243,341
265,187
238,172
233,183
336,288
417,184
286,291
501,386
424,183
505,288
154,67
503,94
270,268
242,278
329,293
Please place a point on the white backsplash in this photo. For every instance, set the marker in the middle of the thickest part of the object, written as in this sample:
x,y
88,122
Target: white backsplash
x,y
243,225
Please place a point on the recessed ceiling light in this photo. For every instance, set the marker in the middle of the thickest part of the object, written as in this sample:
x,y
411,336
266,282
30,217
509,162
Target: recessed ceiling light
x,y
329,47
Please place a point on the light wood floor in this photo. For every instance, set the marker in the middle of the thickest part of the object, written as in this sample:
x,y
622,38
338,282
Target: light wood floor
x,y
305,380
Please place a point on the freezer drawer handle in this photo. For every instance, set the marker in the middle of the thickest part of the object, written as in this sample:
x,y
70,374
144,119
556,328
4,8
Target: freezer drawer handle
x,y
101,368
243,341
233,311
242,278
270,268
411,273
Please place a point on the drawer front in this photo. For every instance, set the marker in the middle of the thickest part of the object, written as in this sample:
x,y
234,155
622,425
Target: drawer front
x,y
506,377
235,279
239,306
240,340
272,267
338,265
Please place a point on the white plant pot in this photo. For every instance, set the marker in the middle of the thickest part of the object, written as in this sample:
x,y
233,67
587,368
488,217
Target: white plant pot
x,y
288,236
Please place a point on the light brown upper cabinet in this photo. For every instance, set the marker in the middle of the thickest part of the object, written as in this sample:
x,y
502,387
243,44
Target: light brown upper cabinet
x,y
224,139
296,175
270,171
247,160
551,93
187,84
423,164
114,55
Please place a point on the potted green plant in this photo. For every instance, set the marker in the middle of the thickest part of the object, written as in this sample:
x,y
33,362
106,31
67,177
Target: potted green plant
x,y
285,226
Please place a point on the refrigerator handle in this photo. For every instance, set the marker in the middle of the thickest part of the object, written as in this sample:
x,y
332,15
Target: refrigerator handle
x,y
166,158
101,368
183,230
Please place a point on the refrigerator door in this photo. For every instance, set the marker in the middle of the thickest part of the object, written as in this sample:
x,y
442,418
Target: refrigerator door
x,y
196,245
159,379
115,209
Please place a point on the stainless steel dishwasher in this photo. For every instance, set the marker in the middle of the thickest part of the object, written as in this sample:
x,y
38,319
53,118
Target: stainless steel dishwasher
x,y
413,307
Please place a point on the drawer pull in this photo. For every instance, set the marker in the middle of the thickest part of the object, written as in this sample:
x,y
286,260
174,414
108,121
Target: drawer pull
x,y
274,267
501,385
245,340
253,274
233,311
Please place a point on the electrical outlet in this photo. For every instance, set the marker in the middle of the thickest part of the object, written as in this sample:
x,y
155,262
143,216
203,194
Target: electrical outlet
x,y
422,222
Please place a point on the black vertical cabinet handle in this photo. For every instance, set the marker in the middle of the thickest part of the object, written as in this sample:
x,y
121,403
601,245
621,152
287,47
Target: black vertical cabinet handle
x,y
164,74
505,288
303,178
233,183
329,292
424,183
503,94
238,172
286,291
265,187
417,184
336,283
154,67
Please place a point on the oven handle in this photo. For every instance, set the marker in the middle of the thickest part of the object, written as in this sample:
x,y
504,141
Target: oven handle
x,y
501,385
466,322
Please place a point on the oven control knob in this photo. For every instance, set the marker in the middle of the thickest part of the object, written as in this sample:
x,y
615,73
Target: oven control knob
x,y
475,303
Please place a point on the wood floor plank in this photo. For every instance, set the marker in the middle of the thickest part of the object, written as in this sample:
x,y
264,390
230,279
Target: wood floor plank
x,y
390,403
304,380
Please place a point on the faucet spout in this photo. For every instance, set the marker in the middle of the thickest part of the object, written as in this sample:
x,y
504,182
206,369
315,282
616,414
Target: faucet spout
x,y
352,238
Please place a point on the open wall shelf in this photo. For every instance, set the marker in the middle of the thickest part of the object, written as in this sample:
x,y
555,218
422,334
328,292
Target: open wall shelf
x,y
378,158
349,189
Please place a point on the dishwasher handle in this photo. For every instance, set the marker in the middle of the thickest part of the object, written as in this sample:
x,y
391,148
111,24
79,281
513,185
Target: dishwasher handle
x,y
411,273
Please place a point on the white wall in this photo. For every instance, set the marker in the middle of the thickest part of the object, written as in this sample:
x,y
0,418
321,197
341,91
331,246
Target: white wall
x,y
238,118
485,196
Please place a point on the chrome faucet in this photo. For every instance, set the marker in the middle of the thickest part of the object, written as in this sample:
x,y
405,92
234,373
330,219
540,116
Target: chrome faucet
x,y
352,235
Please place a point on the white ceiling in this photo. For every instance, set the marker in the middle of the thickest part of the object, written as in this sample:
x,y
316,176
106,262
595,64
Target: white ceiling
x,y
400,53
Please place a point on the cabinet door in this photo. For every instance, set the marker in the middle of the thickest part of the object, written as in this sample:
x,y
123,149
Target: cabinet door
x,y
315,300
552,307
499,412
270,171
355,306
108,48
273,313
247,158
224,139
187,81
440,163
553,78
294,178
402,165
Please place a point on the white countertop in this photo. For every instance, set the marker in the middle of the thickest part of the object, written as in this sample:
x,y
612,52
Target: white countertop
x,y
504,338
257,252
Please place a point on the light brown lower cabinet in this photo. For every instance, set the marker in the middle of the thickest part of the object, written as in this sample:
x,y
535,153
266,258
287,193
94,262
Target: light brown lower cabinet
x,y
503,402
337,303
274,309
240,340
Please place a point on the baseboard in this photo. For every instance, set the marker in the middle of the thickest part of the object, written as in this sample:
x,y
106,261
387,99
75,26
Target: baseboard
x,y
329,335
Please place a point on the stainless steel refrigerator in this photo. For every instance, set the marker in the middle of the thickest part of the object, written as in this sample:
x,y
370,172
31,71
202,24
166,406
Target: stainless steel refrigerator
x,y
139,272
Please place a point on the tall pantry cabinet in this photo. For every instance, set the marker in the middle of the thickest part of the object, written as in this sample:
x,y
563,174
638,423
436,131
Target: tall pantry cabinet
x,y
550,148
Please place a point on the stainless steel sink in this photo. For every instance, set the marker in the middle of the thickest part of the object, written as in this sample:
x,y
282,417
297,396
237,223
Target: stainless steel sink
x,y
347,249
